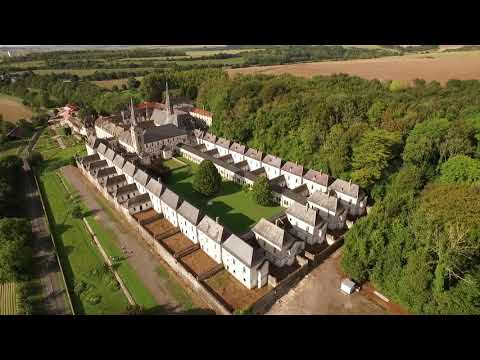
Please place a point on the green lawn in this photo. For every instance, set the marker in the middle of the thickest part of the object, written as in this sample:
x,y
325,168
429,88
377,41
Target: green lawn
x,y
13,147
235,207
176,290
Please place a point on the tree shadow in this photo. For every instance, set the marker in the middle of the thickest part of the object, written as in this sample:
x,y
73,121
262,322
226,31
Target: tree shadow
x,y
169,310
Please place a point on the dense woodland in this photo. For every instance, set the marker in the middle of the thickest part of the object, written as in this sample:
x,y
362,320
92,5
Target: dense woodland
x,y
416,151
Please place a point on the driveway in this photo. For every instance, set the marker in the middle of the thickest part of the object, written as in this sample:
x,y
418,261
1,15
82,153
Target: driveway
x,y
319,294
143,260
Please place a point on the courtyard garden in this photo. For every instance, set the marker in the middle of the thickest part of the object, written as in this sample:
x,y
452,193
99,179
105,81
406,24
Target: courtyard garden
x,y
233,204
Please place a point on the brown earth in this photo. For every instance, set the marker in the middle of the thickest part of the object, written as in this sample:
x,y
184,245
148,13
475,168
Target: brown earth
x,y
177,242
438,66
199,262
13,111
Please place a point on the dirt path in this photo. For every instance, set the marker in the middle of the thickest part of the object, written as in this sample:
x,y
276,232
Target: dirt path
x,y
143,261
318,294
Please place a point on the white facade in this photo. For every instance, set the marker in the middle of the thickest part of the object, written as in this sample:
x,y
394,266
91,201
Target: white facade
x,y
293,181
209,145
253,164
272,171
169,213
188,229
211,247
222,151
314,187
101,134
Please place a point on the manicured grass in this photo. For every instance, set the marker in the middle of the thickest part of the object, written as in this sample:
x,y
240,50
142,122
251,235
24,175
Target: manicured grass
x,y
175,289
173,164
234,206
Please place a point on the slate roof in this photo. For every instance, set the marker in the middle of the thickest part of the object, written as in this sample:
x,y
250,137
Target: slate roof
x,y
90,158
242,251
129,169
106,172
110,154
293,168
200,147
212,152
210,138
273,234
116,180
316,177
303,213
272,161
170,198
212,229
238,148
127,189
139,199
223,143
157,133
98,164
254,154
190,212
326,201
102,149
243,165
227,158
119,161
141,177
155,187
345,187
259,172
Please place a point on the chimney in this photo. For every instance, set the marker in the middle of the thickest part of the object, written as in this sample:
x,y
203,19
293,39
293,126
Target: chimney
x,y
276,222
216,219
350,182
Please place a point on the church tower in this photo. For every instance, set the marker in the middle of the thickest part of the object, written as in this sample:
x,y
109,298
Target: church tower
x,y
136,132
169,107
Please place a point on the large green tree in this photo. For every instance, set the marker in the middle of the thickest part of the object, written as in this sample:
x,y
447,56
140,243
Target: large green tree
x,y
207,180
262,193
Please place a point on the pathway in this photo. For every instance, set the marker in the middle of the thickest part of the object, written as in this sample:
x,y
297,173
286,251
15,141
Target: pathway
x,y
143,261
45,264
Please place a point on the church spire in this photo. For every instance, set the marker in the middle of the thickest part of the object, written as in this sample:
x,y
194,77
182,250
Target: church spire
x,y
167,101
132,114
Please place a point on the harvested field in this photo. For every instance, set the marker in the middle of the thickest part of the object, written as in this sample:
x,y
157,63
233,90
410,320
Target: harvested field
x,y
199,262
177,243
109,84
440,66
237,296
159,226
8,299
145,215
12,109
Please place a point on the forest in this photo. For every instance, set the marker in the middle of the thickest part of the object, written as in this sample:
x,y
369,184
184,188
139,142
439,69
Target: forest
x,y
415,150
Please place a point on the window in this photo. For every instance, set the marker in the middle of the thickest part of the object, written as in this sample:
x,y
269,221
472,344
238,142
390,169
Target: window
x,y
244,270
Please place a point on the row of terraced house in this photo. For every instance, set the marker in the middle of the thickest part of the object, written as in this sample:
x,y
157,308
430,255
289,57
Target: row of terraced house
x,y
315,203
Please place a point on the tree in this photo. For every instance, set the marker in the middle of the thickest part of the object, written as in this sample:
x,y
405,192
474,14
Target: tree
x,y
262,193
67,131
460,169
35,158
133,83
207,180
372,155
77,212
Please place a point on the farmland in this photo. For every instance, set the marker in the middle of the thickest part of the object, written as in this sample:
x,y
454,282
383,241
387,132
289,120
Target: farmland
x,y
8,299
440,66
12,108
109,84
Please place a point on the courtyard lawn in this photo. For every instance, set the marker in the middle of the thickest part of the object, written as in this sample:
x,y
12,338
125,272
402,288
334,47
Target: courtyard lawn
x,y
234,206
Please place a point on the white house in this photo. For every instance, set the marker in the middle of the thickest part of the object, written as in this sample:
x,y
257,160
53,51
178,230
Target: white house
x,y
95,167
223,146
155,189
238,152
101,150
119,162
141,179
293,174
129,171
280,247
315,181
204,115
351,196
211,235
139,203
329,208
170,202
188,219
306,223
126,193
254,159
209,140
272,165
104,174
246,263
86,160
115,182
109,156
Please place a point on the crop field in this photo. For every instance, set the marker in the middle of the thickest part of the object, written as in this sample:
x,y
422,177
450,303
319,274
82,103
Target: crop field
x,y
440,66
8,299
81,72
108,84
12,109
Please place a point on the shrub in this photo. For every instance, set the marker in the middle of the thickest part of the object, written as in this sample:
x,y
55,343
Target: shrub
x,y
35,158
262,193
207,180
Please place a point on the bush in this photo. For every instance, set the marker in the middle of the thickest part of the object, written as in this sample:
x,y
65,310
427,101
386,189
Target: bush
x,y
94,299
67,131
80,287
35,158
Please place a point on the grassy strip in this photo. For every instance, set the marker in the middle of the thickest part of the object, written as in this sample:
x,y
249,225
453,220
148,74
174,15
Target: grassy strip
x,y
175,289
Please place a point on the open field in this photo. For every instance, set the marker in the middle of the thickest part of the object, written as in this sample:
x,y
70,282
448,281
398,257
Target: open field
x,y
108,84
8,299
235,208
440,66
12,108
81,72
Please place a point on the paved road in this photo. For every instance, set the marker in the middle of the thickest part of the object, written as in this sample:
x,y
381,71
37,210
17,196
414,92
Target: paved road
x,y
46,267
318,294
143,261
